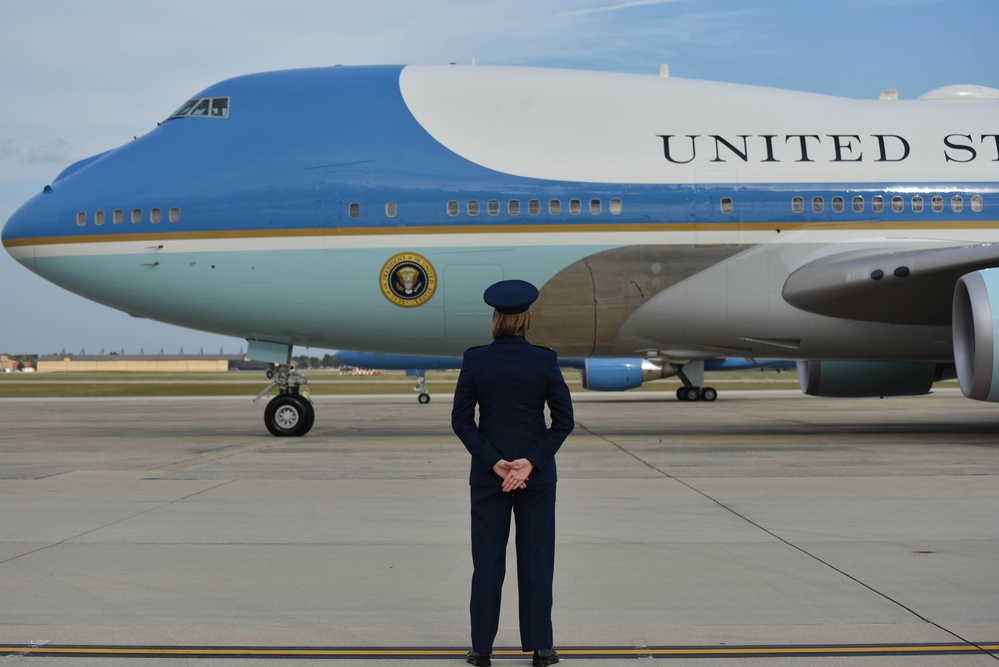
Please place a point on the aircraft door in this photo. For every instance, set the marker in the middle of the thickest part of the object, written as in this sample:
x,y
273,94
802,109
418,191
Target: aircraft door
x,y
467,318
343,208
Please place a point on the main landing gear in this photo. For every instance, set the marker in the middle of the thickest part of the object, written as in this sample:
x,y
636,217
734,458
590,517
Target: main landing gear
x,y
290,413
693,389
693,393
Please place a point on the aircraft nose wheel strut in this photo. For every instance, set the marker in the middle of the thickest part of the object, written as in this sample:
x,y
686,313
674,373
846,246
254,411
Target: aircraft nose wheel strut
x,y
421,387
289,414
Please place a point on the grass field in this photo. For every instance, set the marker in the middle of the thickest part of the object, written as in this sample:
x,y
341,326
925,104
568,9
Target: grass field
x,y
321,382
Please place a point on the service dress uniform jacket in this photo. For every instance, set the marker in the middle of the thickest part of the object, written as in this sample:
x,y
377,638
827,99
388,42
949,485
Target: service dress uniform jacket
x,y
511,381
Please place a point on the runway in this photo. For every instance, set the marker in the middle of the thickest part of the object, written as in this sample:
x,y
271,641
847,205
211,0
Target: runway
x,y
765,525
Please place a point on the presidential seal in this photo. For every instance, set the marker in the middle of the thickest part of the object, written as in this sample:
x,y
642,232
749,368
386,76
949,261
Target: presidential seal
x,y
408,280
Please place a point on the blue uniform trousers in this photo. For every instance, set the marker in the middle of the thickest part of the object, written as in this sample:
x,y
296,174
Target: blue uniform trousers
x,y
534,511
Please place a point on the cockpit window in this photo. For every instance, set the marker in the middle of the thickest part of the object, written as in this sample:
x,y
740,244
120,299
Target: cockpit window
x,y
185,109
208,107
201,109
220,107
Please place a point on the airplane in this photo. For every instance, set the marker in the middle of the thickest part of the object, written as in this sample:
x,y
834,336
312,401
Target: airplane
x,y
595,373
663,219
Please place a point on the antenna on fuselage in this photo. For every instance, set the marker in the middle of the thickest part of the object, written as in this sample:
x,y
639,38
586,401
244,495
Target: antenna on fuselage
x,y
664,71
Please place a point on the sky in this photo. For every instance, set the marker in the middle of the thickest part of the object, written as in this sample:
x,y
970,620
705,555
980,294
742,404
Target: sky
x,y
79,78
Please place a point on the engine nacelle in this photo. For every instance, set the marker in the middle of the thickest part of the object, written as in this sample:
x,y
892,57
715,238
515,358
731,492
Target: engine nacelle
x,y
843,379
622,374
976,307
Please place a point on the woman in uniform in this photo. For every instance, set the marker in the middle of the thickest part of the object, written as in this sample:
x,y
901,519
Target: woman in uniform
x,y
513,469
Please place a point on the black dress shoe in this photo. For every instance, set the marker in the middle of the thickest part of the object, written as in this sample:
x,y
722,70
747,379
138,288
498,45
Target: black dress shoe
x,y
544,657
480,659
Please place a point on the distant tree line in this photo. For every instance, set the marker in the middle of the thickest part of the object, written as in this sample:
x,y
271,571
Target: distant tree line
x,y
304,361
22,357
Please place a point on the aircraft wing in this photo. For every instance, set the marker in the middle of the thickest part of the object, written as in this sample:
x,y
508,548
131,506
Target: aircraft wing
x,y
901,286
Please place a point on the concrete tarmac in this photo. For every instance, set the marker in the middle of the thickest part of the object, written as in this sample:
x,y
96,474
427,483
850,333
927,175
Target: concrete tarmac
x,y
765,528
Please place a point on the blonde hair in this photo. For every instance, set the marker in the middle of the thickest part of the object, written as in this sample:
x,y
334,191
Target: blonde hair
x,y
511,325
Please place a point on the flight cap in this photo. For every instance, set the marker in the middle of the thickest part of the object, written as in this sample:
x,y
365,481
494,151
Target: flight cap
x,y
511,296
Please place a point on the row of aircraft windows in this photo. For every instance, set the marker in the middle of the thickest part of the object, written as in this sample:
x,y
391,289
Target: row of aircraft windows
x,y
118,216
917,203
838,204
473,208
493,207
575,207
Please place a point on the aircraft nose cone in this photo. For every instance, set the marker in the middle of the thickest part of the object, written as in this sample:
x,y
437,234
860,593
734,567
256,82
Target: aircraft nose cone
x,y
18,231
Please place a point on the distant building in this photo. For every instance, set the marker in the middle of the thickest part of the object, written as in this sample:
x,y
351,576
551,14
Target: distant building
x,y
146,363
8,365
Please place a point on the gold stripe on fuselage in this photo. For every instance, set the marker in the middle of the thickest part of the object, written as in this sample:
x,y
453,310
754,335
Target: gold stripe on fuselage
x,y
505,229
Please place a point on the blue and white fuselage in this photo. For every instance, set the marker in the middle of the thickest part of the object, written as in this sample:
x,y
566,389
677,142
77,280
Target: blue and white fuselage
x,y
368,208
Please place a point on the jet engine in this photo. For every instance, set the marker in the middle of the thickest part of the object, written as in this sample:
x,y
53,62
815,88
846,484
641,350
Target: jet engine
x,y
843,379
622,374
976,305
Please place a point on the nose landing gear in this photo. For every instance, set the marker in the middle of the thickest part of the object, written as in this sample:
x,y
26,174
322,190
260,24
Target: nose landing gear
x,y
289,414
421,386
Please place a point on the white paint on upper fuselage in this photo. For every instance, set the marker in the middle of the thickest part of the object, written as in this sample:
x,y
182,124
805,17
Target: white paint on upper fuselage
x,y
609,128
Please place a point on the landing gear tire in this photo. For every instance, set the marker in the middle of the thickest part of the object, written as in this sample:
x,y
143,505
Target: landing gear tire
x,y
289,416
709,394
424,398
689,394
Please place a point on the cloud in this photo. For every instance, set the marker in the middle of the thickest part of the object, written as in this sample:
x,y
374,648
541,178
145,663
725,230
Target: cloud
x,y
618,7
56,151
8,149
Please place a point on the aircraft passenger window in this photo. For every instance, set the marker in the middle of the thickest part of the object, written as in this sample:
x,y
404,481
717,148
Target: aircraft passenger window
x,y
175,215
616,206
220,107
726,205
81,218
595,206
473,206
957,203
877,203
977,204
575,206
534,207
119,217
452,208
354,210
136,216
936,203
858,204
99,218
493,207
838,205
513,207
798,205
554,206
391,209
897,204
917,204
154,216
818,204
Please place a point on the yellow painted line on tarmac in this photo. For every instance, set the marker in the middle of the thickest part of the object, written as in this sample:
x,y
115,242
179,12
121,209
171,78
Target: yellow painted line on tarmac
x,y
832,650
